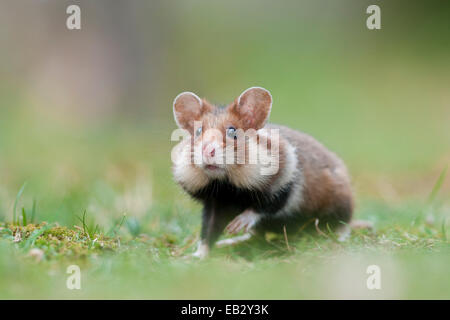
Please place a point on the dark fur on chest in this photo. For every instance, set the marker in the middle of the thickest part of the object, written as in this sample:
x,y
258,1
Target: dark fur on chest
x,y
225,194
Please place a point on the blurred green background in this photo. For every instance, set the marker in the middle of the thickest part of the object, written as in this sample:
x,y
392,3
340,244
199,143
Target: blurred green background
x,y
86,118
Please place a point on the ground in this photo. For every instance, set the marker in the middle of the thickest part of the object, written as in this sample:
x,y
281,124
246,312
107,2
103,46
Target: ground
x,y
413,256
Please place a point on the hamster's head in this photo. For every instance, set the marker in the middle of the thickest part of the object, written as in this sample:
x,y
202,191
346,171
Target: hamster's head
x,y
220,137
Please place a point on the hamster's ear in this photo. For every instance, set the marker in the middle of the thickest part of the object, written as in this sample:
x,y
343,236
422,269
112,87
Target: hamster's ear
x,y
187,108
253,107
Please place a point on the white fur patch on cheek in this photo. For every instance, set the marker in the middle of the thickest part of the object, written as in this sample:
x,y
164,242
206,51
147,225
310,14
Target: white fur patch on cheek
x,y
197,154
185,173
249,175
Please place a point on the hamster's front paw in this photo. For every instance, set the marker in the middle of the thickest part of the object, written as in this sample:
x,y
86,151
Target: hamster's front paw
x,y
245,221
202,251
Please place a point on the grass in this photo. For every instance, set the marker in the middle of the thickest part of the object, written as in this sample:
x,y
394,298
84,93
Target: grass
x,y
19,194
413,258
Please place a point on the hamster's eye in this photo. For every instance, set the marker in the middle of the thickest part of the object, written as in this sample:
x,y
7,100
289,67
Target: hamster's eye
x,y
198,131
231,132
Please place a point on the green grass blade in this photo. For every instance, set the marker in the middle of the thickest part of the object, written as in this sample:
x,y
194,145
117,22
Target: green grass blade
x,y
85,226
19,194
437,186
90,231
24,217
115,228
83,221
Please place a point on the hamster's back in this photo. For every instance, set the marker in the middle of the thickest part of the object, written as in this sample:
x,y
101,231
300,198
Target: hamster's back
x,y
327,192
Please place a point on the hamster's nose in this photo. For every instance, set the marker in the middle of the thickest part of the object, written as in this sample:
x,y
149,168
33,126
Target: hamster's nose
x,y
209,151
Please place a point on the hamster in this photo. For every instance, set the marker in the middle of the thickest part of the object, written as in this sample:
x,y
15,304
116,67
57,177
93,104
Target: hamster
x,y
292,181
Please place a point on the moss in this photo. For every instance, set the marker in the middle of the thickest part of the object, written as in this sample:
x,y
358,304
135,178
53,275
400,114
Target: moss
x,y
57,241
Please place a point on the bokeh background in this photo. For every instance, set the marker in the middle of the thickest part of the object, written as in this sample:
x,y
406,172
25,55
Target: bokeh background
x,y
86,118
